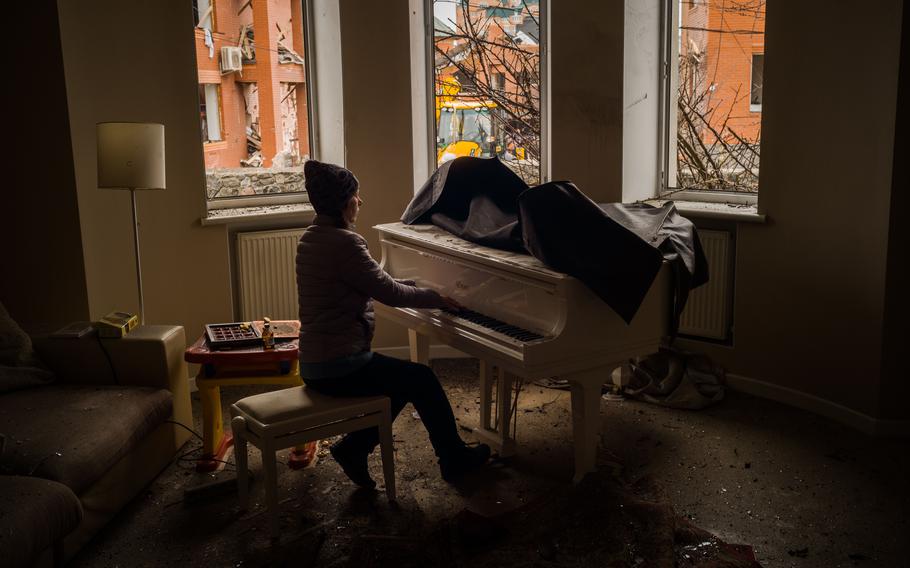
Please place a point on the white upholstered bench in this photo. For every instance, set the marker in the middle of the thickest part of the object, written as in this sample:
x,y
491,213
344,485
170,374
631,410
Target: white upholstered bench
x,y
288,417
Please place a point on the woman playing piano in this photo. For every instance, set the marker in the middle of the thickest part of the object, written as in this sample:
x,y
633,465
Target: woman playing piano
x,y
337,280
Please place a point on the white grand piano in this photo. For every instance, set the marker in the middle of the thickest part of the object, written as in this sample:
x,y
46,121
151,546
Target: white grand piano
x,y
524,319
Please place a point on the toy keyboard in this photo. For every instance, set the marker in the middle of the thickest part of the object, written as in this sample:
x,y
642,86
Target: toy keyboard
x,y
232,335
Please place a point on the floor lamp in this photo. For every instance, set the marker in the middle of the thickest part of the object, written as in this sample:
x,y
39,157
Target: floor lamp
x,y
131,156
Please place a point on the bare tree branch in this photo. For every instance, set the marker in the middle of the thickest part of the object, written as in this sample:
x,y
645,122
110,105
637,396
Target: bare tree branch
x,y
497,70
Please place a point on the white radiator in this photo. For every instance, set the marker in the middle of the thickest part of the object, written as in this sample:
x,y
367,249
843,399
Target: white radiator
x,y
267,280
708,311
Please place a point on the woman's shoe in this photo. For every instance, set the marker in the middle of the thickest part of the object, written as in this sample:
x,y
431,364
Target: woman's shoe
x,y
354,465
463,460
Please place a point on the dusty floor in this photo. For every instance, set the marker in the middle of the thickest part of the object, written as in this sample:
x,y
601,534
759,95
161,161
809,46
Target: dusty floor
x,y
803,491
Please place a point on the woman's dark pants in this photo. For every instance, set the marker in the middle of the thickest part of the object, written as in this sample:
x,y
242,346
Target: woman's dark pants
x,y
403,382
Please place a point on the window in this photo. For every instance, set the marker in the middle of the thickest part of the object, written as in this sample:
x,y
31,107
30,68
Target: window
x,y
204,14
210,112
487,82
712,120
258,114
758,62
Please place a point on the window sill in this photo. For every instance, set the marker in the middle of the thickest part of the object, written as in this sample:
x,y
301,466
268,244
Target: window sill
x,y
303,212
739,212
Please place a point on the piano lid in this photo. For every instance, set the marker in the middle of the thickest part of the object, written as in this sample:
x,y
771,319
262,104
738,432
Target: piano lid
x,y
438,238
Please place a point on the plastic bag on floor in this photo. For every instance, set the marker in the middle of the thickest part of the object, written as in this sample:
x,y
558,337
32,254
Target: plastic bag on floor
x,y
677,379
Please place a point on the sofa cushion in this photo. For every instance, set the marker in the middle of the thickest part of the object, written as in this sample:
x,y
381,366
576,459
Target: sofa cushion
x,y
15,345
34,514
22,377
19,368
74,434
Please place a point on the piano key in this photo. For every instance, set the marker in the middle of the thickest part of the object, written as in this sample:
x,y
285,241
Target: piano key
x,y
488,322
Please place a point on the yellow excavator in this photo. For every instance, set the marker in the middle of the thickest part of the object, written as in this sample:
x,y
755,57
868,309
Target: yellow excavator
x,y
464,125
464,128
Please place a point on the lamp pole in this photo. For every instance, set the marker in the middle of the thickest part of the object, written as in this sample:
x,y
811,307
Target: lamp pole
x,y
131,156
136,245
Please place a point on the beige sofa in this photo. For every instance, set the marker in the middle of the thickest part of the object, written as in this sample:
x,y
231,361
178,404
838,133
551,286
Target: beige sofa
x,y
99,432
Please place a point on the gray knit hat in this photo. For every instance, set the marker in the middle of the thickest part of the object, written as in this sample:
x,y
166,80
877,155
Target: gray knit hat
x,y
329,186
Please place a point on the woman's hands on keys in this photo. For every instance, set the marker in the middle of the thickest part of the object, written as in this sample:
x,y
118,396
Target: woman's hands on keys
x,y
451,304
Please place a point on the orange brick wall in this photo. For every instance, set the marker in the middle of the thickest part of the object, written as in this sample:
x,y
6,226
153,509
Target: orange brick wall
x,y
232,148
267,72
729,66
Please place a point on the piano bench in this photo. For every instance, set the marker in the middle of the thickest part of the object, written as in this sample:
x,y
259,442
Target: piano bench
x,y
284,418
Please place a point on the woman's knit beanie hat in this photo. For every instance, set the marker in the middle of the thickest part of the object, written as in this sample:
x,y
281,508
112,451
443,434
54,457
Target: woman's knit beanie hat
x,y
329,186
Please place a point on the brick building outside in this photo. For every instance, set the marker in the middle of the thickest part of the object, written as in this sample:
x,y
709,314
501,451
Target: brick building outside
x,y
723,44
257,112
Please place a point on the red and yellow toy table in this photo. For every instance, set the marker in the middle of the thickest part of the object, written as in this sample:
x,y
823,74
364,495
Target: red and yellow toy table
x,y
238,367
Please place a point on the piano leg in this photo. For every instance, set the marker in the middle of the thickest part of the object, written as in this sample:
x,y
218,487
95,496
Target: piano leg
x,y
420,347
499,437
586,392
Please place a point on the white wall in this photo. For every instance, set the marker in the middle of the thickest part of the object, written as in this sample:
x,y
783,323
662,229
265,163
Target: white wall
x,y
586,78
810,284
422,133
377,110
641,97
129,61
326,80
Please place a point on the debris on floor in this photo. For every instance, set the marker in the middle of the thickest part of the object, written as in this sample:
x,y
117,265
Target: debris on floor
x,y
655,499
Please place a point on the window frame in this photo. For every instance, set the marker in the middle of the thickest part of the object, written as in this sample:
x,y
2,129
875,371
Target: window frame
x,y
669,85
752,106
430,92
241,201
211,17
219,113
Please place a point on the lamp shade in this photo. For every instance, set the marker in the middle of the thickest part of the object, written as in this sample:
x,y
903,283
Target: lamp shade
x,y
130,155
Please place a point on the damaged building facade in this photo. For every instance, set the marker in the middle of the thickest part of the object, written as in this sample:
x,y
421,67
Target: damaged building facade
x,y
252,94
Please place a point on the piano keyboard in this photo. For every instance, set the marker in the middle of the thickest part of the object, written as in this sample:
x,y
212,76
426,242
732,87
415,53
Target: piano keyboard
x,y
494,324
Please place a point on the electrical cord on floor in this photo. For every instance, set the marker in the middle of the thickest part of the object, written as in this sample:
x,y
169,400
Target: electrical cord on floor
x,y
184,426
108,357
519,384
184,458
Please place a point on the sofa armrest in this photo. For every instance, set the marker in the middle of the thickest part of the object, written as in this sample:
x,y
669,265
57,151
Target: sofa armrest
x,y
149,356
152,356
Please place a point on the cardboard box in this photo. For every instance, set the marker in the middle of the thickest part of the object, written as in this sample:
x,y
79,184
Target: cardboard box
x,y
116,324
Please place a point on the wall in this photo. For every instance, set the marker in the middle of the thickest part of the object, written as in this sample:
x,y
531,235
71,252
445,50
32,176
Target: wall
x,y
895,392
324,48
43,279
641,95
586,79
422,132
117,71
810,284
375,50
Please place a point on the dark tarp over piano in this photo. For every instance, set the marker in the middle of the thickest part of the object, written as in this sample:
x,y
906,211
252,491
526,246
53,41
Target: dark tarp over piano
x,y
615,249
